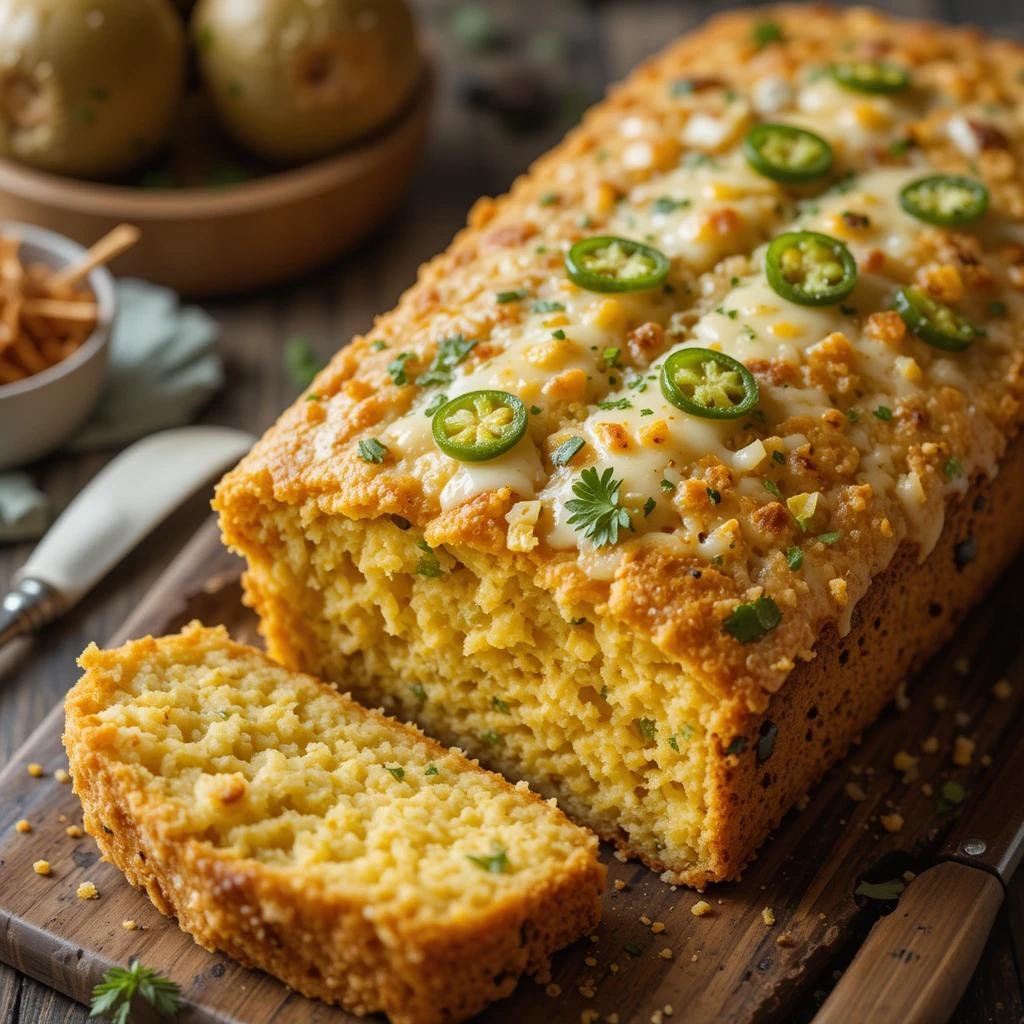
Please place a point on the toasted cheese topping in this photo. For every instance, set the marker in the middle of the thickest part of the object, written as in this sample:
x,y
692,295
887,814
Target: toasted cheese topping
x,y
859,419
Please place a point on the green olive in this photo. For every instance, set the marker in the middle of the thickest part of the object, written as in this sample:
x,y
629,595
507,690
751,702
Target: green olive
x,y
88,87
293,80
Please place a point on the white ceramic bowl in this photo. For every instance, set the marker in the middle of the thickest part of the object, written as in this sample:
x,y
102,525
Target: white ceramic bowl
x,y
41,412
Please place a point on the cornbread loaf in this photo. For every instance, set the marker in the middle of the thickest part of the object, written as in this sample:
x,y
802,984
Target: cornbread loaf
x,y
346,853
749,486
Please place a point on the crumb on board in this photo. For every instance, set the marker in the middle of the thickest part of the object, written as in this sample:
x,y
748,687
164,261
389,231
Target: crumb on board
x,y
553,990
23,825
657,927
855,792
908,877
645,920
42,867
963,751
701,908
927,789
930,745
666,953
74,832
768,916
587,991
940,702
129,925
589,1017
785,940
961,666
903,761
1003,689
619,885
35,770
962,719
542,977
891,822
61,775
590,961
87,891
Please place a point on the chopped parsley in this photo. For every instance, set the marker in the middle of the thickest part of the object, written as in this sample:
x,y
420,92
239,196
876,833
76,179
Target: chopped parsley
x,y
668,487
112,997
666,204
546,306
431,769
684,734
828,538
558,335
396,368
883,412
766,32
511,296
752,620
378,345
499,705
611,356
496,863
647,727
312,397
428,565
398,772
954,468
649,506
491,738
616,403
852,415
439,399
371,450
772,488
794,558
778,457
563,454
596,512
301,361
418,692
548,199
714,496
450,352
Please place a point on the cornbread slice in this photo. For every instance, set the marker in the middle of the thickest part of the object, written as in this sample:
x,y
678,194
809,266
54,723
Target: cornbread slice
x,y
672,621
295,830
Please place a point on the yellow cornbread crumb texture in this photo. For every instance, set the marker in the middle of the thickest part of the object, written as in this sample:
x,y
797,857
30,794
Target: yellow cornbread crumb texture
x,y
330,820
87,891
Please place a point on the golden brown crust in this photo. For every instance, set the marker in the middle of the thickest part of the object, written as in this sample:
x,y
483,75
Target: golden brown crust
x,y
289,924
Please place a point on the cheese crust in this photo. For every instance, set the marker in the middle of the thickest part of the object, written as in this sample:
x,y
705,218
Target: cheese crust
x,y
864,436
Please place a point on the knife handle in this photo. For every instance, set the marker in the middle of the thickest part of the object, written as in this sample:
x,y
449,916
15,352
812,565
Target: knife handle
x,y
916,963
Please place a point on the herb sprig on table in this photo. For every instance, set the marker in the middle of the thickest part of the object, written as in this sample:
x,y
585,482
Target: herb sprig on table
x,y
113,996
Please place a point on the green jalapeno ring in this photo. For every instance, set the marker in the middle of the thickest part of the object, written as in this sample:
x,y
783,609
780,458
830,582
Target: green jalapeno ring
x,y
708,384
934,322
810,269
875,76
786,153
605,263
945,199
479,425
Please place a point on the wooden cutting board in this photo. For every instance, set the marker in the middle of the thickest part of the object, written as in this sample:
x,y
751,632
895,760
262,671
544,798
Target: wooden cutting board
x,y
728,966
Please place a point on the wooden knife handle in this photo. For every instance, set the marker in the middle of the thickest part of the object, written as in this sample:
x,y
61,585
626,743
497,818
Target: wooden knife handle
x,y
915,963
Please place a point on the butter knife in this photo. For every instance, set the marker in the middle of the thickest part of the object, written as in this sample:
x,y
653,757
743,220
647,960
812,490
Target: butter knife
x,y
131,495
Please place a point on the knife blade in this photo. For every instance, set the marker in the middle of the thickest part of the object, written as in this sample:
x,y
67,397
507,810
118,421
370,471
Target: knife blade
x,y
131,495
916,962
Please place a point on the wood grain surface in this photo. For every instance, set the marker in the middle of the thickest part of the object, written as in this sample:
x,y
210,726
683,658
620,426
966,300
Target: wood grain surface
x,y
469,154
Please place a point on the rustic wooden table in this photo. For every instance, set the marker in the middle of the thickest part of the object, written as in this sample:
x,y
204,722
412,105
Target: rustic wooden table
x,y
573,48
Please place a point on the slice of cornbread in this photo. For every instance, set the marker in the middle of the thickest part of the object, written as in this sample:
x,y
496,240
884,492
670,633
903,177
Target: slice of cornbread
x,y
341,851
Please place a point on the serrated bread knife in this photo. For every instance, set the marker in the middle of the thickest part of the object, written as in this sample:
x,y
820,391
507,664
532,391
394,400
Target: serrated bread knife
x,y
117,508
916,963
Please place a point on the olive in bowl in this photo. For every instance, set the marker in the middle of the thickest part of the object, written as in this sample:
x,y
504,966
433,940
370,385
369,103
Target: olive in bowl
x,y
293,80
88,87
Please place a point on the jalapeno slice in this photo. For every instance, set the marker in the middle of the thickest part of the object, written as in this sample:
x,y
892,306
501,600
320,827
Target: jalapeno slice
x,y
810,269
871,76
479,425
786,153
934,322
605,263
708,384
945,199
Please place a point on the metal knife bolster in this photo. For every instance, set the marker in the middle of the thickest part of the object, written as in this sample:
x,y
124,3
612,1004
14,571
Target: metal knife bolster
x,y
28,607
990,836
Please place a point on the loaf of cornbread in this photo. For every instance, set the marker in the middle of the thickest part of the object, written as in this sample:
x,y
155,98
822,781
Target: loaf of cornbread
x,y
673,614
341,851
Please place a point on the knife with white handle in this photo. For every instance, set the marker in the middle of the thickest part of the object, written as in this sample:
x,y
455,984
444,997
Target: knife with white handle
x,y
124,501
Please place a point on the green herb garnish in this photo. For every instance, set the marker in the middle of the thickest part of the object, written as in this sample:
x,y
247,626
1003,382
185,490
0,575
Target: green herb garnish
x,y
499,705
371,450
431,769
428,565
596,512
766,32
496,863
418,692
546,306
301,361
752,620
398,772
396,368
883,412
450,352
511,296
794,558
566,450
113,995
647,726
491,738
954,468
615,403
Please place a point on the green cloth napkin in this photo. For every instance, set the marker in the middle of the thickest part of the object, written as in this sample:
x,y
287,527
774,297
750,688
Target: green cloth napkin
x,y
164,366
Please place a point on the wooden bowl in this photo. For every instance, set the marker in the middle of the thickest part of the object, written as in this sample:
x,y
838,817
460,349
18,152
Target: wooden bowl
x,y
237,238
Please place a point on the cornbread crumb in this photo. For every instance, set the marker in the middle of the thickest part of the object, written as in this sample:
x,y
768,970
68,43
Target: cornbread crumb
x,y
904,762
768,916
891,822
23,825
619,885
87,891
621,855
74,832
902,701
962,718
612,1018
542,977
985,760
667,1010
1003,689
908,876
590,961
657,927
940,702
62,776
961,666
785,940
35,770
553,990
963,751
129,925
645,920
613,968
854,792
589,1016
930,745
701,908
665,954
42,867
587,991
927,789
